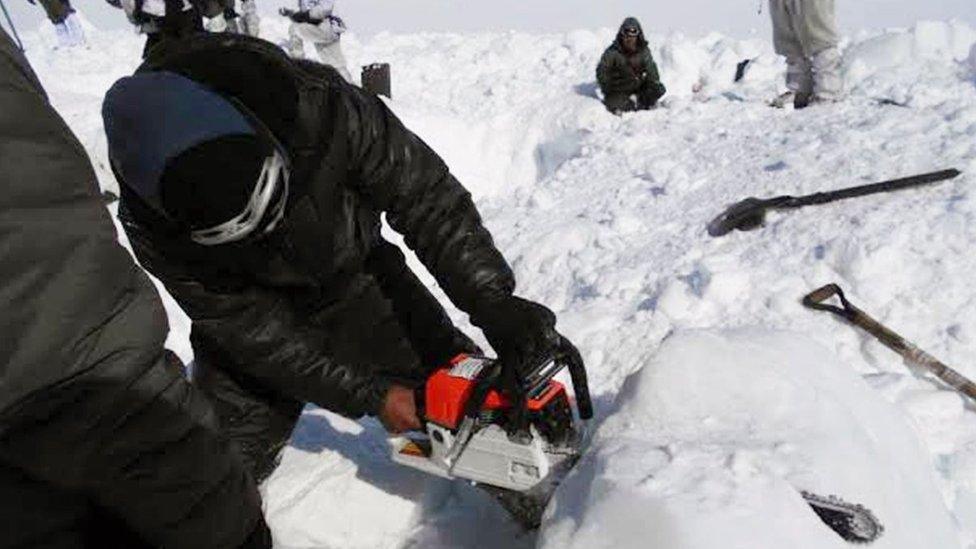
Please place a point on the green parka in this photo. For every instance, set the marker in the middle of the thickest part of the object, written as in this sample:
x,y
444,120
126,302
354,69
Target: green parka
x,y
620,72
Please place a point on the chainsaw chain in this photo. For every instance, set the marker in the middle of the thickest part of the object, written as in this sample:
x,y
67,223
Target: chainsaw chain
x,y
852,521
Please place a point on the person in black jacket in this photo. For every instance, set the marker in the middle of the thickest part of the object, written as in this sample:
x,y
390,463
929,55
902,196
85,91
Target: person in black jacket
x,y
104,443
253,187
627,73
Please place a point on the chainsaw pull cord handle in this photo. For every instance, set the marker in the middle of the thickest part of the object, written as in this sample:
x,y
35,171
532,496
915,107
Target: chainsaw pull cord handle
x,y
912,354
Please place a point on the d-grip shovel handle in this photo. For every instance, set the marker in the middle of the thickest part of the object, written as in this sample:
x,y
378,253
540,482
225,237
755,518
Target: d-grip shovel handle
x,y
816,299
908,350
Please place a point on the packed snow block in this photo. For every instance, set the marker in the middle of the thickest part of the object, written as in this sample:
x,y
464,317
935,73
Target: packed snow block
x,y
926,41
337,487
709,445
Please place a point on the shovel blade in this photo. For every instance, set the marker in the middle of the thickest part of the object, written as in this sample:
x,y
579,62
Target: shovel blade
x,y
745,215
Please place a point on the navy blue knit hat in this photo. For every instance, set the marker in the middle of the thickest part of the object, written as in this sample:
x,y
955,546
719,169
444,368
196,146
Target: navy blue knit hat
x,y
151,118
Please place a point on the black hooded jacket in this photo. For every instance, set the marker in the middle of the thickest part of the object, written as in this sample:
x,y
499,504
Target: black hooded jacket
x,y
623,72
93,413
303,311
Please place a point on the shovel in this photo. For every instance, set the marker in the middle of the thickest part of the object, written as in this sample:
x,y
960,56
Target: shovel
x,y
750,213
913,355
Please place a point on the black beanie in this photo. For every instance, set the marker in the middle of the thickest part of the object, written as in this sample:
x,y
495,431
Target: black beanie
x,y
212,182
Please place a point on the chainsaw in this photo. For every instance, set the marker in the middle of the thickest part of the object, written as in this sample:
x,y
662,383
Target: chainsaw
x,y
516,449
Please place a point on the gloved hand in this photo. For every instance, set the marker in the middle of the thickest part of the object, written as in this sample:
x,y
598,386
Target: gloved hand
x,y
522,332
285,12
113,3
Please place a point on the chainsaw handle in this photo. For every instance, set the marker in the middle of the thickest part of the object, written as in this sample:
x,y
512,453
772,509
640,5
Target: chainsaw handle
x,y
571,357
484,382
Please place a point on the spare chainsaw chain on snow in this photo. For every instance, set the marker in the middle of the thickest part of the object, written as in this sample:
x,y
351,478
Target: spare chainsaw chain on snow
x,y
852,521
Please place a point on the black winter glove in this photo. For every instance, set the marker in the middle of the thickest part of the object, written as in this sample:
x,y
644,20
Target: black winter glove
x,y
522,332
113,3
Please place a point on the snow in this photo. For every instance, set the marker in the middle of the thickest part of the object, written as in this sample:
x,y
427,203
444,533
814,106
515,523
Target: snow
x,y
709,415
709,445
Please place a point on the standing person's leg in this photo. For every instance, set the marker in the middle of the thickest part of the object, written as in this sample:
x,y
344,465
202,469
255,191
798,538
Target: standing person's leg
x,y
257,420
57,10
249,19
331,55
295,46
817,28
75,31
786,42
327,45
231,17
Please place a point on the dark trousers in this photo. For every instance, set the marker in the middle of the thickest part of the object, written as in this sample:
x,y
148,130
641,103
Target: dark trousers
x,y
35,515
642,98
174,27
395,308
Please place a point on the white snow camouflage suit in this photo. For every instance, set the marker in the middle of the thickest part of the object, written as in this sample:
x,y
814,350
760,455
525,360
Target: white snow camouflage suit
x,y
324,36
805,32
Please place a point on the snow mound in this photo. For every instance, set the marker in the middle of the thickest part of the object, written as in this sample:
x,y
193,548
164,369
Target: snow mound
x,y
709,444
890,57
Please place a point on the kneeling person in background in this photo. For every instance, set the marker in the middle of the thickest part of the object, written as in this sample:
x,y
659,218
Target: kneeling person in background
x,y
627,73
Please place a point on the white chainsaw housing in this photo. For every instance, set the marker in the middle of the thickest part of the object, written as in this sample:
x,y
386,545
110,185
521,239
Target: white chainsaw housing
x,y
489,457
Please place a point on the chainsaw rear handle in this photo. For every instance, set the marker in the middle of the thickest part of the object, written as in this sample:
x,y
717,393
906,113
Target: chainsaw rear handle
x,y
570,356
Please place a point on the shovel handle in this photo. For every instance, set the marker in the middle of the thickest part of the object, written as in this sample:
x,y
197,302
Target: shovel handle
x,y
911,353
816,300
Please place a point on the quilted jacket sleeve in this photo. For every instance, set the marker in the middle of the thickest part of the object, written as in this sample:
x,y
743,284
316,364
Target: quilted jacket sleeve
x,y
403,177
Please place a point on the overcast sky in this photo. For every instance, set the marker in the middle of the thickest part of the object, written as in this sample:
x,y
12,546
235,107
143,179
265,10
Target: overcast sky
x,y
733,17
